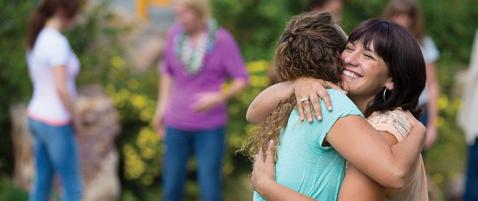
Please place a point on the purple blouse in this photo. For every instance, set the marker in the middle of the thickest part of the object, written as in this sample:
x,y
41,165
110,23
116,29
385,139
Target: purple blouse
x,y
222,62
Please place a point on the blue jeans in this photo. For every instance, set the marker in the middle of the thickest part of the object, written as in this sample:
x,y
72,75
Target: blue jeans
x,y
55,150
471,186
208,147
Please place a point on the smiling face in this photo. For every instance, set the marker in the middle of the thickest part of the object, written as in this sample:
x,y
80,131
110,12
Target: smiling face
x,y
365,72
381,54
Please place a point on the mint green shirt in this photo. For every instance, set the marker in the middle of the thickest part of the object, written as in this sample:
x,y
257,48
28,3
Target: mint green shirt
x,y
304,164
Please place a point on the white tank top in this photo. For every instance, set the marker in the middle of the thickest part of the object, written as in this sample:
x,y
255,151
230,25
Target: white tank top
x,y
51,49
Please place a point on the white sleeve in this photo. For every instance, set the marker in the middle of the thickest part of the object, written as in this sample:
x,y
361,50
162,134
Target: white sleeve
x,y
429,50
58,52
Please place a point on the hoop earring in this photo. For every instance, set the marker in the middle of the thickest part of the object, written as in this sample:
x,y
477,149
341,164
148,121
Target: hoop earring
x,y
384,95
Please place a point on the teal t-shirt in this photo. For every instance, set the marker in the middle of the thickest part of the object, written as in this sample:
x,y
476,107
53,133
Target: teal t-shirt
x,y
304,164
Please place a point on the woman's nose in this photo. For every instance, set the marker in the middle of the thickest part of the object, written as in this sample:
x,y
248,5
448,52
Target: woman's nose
x,y
351,58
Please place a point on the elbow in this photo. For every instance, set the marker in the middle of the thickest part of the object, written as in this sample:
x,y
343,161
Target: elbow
x,y
397,179
62,91
250,117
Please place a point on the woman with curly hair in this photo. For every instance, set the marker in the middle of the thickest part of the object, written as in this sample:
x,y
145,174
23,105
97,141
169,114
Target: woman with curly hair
x,y
310,156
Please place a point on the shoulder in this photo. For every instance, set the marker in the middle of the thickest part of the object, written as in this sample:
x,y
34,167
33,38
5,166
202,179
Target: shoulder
x,y
52,38
224,35
51,44
174,30
429,45
428,41
340,100
342,107
393,121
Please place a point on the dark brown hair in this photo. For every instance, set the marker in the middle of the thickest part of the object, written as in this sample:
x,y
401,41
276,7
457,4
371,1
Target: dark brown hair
x,y
309,47
402,55
45,10
410,8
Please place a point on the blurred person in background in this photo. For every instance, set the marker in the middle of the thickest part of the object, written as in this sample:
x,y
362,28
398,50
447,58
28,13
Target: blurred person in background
x,y
334,7
52,118
191,115
467,119
408,14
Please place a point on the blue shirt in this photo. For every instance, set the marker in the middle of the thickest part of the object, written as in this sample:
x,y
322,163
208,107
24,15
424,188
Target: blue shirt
x,y
304,163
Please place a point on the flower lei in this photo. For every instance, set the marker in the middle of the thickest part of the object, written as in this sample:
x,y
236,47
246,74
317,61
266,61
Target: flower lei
x,y
192,57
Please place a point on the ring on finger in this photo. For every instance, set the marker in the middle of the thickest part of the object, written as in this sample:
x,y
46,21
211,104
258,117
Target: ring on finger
x,y
302,100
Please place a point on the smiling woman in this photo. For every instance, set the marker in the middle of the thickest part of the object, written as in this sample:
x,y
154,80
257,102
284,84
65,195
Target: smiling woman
x,y
311,156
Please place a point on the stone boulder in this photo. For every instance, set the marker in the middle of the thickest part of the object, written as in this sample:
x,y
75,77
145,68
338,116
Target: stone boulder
x,y
98,155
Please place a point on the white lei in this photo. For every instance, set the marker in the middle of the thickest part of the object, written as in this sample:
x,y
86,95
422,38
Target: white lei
x,y
192,57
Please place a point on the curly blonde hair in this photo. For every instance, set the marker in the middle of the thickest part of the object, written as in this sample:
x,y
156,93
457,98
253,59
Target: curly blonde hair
x,y
309,47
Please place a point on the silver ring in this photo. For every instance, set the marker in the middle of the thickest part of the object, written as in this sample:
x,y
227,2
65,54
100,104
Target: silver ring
x,y
302,100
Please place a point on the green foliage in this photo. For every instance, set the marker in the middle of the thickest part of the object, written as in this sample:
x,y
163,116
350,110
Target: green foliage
x,y
8,191
14,80
256,24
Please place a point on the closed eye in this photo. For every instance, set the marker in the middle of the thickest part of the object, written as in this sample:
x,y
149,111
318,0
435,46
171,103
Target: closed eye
x,y
368,56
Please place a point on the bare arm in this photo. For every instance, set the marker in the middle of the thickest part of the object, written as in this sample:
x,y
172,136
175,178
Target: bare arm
x,y
237,86
164,92
267,101
358,142
433,93
208,100
309,89
358,186
61,85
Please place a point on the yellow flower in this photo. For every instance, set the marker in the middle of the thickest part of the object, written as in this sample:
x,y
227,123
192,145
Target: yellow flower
x,y
443,102
258,66
134,166
259,81
138,101
148,142
117,62
146,115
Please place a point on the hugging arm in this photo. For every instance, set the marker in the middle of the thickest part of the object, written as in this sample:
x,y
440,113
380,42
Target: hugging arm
x,y
359,143
309,89
358,186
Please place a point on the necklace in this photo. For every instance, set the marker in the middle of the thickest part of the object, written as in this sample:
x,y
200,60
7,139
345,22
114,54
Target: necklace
x,y
192,57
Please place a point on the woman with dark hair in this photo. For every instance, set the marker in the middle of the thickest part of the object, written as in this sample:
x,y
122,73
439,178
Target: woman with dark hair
x,y
52,118
408,14
311,156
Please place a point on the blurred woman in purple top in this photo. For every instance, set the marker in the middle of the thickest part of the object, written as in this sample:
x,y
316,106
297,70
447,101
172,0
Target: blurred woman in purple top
x,y
199,57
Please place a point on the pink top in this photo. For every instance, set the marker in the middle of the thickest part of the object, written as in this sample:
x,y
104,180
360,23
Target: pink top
x,y
222,62
395,122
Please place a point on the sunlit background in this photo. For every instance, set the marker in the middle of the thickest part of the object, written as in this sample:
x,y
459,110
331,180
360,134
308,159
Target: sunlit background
x,y
119,43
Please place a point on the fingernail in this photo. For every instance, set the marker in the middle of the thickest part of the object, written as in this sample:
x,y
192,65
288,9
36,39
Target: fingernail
x,y
329,108
320,118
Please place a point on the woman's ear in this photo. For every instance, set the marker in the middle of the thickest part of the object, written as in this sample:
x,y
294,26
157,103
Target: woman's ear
x,y
389,84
